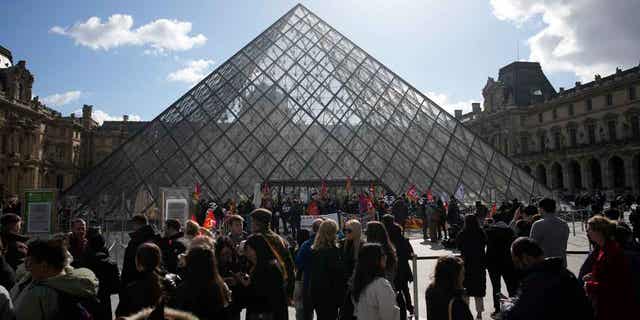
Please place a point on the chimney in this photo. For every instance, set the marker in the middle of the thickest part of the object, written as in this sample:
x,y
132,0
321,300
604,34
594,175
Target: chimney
x,y
458,114
618,70
475,107
125,118
578,83
561,89
598,77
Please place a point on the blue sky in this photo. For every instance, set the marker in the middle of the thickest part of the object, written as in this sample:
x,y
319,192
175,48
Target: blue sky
x,y
445,48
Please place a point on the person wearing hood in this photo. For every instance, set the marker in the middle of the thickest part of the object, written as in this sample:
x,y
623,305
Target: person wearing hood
x,y
498,258
51,280
172,245
142,233
96,258
548,290
14,242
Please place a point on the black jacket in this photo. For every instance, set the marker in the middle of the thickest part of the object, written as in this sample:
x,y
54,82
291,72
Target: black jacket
x,y
327,277
203,302
138,295
499,239
108,278
266,294
171,248
138,237
13,254
550,291
472,245
7,275
438,305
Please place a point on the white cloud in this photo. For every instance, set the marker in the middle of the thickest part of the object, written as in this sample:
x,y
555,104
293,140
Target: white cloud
x,y
445,102
193,71
60,99
585,37
101,116
161,35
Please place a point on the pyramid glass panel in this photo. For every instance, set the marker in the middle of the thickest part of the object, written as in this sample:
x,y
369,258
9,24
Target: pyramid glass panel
x,y
301,102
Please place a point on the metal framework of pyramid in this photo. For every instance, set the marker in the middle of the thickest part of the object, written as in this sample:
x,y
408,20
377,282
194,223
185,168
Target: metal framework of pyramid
x,y
302,102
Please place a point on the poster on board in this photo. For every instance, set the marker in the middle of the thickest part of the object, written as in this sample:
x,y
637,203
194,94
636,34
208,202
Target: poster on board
x,y
39,213
306,221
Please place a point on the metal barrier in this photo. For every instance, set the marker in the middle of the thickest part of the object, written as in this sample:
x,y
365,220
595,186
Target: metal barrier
x,y
415,259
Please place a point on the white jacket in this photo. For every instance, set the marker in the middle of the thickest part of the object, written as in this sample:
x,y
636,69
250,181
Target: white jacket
x,y
377,302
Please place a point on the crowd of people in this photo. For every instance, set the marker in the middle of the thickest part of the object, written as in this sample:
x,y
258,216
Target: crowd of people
x,y
350,270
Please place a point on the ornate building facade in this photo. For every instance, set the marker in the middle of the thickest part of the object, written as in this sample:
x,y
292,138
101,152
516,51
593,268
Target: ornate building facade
x,y
584,138
40,148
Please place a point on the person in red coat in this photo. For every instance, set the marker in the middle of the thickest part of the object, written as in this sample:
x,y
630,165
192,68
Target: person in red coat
x,y
608,285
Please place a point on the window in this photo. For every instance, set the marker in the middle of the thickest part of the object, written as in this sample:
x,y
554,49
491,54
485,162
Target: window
x,y
543,143
632,93
573,137
557,140
571,111
540,117
554,112
609,99
589,105
611,126
591,133
524,142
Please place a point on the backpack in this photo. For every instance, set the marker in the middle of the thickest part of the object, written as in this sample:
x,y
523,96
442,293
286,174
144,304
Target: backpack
x,y
71,307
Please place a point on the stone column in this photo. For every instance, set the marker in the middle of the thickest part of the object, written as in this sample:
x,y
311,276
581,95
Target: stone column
x,y
587,180
629,180
606,174
550,177
566,179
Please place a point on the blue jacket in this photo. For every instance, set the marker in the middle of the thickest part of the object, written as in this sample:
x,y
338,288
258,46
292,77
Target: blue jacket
x,y
303,260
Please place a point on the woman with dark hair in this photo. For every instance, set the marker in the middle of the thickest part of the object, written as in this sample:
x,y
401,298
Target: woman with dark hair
x,y
229,265
96,259
264,286
608,284
404,274
445,295
372,293
472,241
377,233
147,291
203,292
327,272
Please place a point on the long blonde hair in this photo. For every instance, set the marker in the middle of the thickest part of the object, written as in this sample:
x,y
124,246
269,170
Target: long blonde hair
x,y
326,236
356,231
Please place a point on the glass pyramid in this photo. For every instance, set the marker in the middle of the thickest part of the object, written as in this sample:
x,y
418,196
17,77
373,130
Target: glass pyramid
x,y
301,102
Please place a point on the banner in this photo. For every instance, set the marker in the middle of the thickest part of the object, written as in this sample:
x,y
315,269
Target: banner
x,y
39,210
412,193
460,193
306,221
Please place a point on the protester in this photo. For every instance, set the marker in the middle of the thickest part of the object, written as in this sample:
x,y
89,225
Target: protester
x,y
295,215
327,275
50,287
548,290
260,223
148,289
304,266
7,274
78,241
609,282
372,294
445,294
15,249
400,211
237,233
350,246
441,213
229,264
142,233
172,245
433,220
472,242
499,263
551,233
96,259
482,212
203,292
377,233
264,286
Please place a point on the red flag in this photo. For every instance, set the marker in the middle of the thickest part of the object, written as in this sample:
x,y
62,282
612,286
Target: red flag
x,y
196,191
412,194
446,206
210,220
348,186
494,209
193,218
429,195
323,189
372,190
265,188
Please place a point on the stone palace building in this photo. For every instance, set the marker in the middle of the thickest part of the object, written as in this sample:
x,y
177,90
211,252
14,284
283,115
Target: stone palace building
x,y
41,148
573,140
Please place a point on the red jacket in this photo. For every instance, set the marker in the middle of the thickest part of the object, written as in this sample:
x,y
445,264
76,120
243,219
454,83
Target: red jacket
x,y
610,285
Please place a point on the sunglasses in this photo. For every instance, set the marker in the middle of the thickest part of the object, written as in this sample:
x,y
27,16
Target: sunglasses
x,y
347,230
